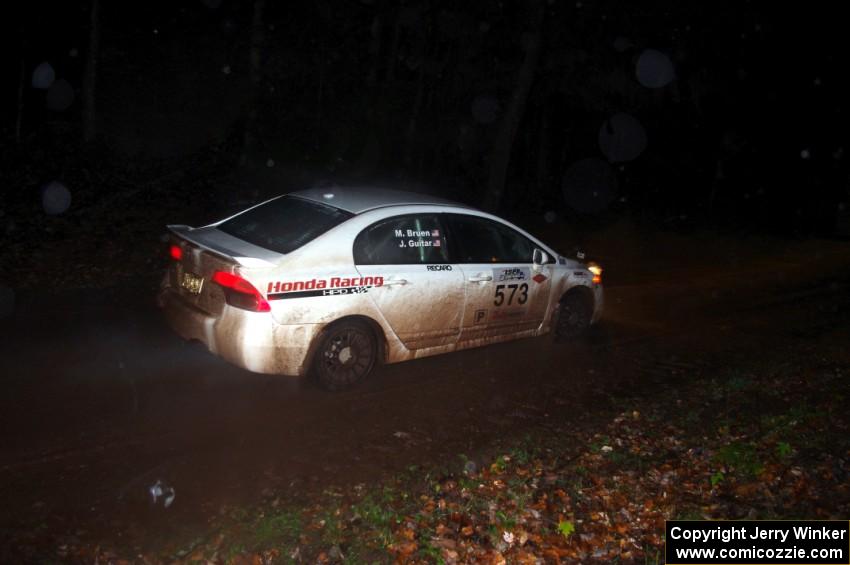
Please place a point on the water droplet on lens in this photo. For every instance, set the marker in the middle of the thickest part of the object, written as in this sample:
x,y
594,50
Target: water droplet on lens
x,y
622,138
55,198
654,69
43,76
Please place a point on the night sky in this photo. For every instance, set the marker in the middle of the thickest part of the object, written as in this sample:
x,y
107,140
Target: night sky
x,y
727,115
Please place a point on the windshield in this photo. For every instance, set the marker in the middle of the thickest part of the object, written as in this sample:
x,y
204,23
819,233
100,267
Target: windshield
x,y
284,224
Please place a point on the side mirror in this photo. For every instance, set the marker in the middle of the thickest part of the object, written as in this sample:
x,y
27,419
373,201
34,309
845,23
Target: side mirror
x,y
539,258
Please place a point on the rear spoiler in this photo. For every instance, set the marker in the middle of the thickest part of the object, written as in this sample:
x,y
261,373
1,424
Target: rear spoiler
x,y
226,246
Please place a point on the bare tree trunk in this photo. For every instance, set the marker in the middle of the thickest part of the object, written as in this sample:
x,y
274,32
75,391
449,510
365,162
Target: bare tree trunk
x,y
501,155
410,135
392,56
410,144
21,82
90,78
375,51
255,59
320,95
543,152
427,147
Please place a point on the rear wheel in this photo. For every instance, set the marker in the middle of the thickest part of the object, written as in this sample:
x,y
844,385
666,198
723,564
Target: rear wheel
x,y
345,356
574,315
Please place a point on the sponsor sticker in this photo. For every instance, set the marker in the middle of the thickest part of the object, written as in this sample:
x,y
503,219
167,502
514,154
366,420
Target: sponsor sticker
x,y
511,274
333,286
507,314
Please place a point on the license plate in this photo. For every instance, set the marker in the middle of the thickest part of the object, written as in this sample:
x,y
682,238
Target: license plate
x,y
192,283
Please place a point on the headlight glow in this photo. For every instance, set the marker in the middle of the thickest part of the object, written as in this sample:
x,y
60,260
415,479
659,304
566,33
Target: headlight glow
x,y
597,272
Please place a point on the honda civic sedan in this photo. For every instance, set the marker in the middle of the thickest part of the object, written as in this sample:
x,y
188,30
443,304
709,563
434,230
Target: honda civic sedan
x,y
331,282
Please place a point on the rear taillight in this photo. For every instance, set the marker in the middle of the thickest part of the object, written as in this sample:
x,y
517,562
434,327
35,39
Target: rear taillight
x,y
597,272
240,293
175,252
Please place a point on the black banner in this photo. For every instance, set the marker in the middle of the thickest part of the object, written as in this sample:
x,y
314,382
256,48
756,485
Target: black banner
x,y
694,542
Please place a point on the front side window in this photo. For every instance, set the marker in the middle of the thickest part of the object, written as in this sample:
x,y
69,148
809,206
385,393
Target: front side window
x,y
479,240
413,239
284,224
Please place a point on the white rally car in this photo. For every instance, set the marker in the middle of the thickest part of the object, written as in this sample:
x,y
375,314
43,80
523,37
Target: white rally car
x,y
333,281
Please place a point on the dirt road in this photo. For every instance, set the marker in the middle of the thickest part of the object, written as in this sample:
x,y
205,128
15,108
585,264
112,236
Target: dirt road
x,y
101,400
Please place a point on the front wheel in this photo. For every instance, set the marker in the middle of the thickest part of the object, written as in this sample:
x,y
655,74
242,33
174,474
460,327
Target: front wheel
x,y
345,356
575,313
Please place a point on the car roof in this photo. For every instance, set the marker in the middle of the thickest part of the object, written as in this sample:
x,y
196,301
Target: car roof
x,y
362,199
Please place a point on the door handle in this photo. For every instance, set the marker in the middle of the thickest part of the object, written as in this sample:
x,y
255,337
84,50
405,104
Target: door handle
x,y
481,278
395,281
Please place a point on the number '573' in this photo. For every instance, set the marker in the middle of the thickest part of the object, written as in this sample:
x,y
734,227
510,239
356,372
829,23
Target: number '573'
x,y
510,291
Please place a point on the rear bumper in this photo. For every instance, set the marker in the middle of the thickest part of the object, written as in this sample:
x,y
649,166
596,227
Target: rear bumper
x,y
251,340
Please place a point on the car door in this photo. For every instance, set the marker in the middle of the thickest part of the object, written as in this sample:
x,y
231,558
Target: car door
x,y
422,294
506,293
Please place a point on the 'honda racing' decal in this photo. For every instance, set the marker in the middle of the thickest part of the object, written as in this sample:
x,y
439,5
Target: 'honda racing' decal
x,y
334,286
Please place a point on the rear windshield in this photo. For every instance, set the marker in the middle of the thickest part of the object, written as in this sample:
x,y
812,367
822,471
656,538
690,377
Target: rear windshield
x,y
284,224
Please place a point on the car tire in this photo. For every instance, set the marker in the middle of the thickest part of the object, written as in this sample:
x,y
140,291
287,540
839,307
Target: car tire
x,y
345,356
575,313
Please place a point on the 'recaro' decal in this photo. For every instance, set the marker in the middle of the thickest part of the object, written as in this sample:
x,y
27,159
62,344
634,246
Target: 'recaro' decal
x,y
334,286
439,267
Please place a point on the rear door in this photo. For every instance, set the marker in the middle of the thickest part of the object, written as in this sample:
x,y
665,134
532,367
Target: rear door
x,y
422,294
505,292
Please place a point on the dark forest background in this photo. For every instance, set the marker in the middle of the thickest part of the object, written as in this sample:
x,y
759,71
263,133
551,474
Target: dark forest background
x,y
535,108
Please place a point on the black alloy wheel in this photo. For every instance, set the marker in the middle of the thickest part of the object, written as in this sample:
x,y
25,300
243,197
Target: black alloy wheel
x,y
574,315
345,356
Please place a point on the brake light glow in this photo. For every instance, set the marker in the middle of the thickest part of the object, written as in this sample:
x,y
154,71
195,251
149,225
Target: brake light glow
x,y
175,252
240,293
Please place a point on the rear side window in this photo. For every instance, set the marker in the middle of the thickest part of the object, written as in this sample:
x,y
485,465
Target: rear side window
x,y
284,224
413,239
479,240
